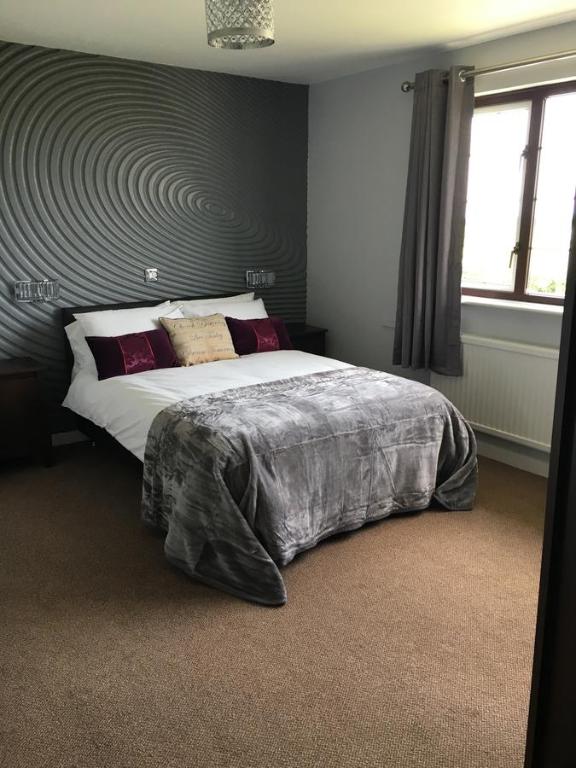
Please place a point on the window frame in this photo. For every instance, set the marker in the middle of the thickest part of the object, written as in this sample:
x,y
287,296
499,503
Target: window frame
x,y
536,95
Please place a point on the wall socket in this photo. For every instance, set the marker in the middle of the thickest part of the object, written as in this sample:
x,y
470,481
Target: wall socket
x,y
151,275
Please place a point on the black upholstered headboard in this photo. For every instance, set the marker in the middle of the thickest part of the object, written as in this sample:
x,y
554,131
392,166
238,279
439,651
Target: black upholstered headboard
x,y
69,312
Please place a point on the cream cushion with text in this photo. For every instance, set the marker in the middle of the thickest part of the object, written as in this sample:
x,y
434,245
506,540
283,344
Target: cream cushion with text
x,y
200,339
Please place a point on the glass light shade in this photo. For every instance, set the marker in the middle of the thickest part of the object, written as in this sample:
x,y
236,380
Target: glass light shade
x,y
239,24
260,278
36,290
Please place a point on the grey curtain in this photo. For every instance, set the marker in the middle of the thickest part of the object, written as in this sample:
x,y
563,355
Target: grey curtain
x,y
427,331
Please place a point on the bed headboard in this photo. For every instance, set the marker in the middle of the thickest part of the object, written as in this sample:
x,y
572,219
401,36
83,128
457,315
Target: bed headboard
x,y
69,312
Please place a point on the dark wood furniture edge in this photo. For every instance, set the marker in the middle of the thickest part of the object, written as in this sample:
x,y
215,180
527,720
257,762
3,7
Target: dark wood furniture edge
x,y
551,740
17,367
304,328
14,369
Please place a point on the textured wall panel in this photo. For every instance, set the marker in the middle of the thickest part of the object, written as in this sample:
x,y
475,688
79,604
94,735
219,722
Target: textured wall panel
x,y
110,166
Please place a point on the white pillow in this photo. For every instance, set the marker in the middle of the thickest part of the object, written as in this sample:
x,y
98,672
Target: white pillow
x,y
117,322
239,299
83,357
247,310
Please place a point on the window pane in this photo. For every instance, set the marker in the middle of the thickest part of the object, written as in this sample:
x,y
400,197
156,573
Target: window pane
x,y
495,183
554,198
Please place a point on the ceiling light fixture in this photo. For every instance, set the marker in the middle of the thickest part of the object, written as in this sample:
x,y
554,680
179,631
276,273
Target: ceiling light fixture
x,y
240,24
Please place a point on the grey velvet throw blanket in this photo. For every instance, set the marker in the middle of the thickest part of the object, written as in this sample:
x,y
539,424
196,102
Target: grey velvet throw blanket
x,y
245,479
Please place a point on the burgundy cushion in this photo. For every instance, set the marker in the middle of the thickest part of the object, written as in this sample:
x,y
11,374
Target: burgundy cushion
x,y
132,353
282,333
265,334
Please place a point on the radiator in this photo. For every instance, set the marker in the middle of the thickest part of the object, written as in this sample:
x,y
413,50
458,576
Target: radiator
x,y
507,390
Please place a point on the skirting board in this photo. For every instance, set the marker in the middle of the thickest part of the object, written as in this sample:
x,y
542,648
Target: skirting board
x,y
507,452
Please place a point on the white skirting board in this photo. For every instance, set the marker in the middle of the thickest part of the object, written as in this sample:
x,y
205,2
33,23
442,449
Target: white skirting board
x,y
507,394
506,452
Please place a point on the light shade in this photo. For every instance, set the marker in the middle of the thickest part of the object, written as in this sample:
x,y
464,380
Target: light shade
x,y
260,278
239,24
36,290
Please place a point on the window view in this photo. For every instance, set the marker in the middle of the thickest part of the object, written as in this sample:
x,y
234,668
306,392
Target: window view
x,y
554,200
521,188
495,182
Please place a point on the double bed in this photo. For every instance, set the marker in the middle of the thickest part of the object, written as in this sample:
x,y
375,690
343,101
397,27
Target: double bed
x,y
249,461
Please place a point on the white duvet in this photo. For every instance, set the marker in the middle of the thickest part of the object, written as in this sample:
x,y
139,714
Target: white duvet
x,y
126,405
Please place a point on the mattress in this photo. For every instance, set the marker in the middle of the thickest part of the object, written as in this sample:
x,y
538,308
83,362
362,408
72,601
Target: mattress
x,y
126,406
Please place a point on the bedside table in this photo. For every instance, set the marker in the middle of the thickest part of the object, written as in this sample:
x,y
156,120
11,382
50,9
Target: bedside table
x,y
24,427
307,338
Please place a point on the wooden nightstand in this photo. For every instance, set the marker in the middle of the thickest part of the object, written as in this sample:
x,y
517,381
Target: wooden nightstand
x,y
307,338
24,427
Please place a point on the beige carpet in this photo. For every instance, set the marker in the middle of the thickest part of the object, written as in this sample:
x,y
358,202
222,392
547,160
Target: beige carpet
x,y
405,644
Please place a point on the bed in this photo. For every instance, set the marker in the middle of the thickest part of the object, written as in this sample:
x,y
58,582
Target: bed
x,y
247,462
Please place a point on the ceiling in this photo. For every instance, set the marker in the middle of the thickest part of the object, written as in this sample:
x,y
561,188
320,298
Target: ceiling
x,y
315,39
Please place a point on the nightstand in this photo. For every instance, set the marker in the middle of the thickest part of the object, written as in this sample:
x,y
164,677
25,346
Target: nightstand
x,y
307,338
24,427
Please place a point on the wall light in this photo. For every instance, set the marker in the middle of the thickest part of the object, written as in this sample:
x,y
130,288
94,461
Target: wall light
x,y
260,278
36,290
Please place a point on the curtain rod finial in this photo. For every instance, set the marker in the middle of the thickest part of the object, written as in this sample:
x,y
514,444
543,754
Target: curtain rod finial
x,y
407,86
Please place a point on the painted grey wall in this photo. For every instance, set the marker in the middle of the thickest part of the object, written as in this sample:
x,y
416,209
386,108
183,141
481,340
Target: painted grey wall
x,y
359,134
357,163
110,166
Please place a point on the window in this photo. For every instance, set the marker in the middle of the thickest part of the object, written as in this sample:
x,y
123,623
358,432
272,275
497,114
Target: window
x,y
521,188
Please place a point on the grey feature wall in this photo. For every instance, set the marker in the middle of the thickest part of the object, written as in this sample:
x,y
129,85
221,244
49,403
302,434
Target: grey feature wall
x,y
110,166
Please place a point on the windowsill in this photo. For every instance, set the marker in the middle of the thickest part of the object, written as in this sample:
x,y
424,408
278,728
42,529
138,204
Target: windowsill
x,y
522,306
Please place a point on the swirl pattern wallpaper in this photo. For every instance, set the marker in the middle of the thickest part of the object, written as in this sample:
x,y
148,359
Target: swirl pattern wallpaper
x,y
108,167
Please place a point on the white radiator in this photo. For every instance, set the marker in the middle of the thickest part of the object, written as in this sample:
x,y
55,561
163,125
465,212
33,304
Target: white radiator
x,y
507,389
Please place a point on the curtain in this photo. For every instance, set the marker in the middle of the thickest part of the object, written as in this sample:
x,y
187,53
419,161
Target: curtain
x,y
427,333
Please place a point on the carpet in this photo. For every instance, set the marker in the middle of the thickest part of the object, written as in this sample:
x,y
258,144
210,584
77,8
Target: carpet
x,y
405,644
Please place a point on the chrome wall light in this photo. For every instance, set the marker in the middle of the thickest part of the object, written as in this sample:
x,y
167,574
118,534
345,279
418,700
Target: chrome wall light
x,y
36,290
240,24
260,278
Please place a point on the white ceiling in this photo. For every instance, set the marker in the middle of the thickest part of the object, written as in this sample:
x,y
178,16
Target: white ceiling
x,y
315,39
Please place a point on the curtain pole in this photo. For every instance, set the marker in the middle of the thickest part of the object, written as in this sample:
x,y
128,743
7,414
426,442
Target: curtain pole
x,y
407,85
